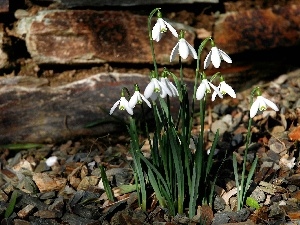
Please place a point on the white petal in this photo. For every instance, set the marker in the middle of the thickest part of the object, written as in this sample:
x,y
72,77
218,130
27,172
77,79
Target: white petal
x,y
165,90
128,109
215,89
254,108
146,100
225,57
207,87
183,48
162,25
200,91
173,89
213,96
207,60
156,35
124,103
157,84
133,100
149,89
192,51
173,31
271,104
228,89
215,57
114,107
174,52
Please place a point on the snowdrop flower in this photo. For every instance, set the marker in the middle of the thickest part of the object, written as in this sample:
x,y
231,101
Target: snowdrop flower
x,y
261,104
51,161
215,56
205,88
137,98
224,88
161,27
155,87
165,81
183,48
170,86
123,105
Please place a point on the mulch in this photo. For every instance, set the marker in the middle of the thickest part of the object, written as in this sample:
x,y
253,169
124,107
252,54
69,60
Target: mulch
x,y
71,191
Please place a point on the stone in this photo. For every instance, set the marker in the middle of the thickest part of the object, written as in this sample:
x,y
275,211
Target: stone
x,y
25,211
235,32
46,183
89,37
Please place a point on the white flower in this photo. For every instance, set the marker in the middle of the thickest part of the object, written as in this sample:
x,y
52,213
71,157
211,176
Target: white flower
x,y
205,88
51,161
224,88
161,27
170,86
261,104
215,56
123,104
154,88
184,49
137,98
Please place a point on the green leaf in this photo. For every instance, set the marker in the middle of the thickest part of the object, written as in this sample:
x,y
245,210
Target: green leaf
x,y
251,202
107,188
11,204
21,146
127,188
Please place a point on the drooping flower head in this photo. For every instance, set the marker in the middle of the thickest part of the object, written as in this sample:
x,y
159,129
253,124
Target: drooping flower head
x,y
137,98
204,88
161,27
122,103
183,48
215,56
155,88
164,80
261,104
224,88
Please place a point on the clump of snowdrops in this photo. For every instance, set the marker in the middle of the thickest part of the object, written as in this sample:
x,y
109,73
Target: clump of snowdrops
x,y
178,170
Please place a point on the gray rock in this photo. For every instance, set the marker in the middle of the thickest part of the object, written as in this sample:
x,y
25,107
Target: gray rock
x,y
219,124
220,218
77,220
219,203
258,195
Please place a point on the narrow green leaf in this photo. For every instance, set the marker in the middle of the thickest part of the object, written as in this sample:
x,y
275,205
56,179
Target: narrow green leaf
x,y
106,185
127,188
21,146
11,204
249,178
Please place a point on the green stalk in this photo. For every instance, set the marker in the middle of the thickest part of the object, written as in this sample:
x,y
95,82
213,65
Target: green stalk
x,y
135,152
151,40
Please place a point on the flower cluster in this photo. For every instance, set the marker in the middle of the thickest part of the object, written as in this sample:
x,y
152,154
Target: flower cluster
x,y
164,87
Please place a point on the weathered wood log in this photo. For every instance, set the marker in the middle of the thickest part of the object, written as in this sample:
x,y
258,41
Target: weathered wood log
x,y
86,36
3,55
33,111
97,3
258,29
39,113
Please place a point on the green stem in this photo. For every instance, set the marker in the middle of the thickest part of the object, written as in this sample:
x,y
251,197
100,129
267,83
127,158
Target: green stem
x,y
151,40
